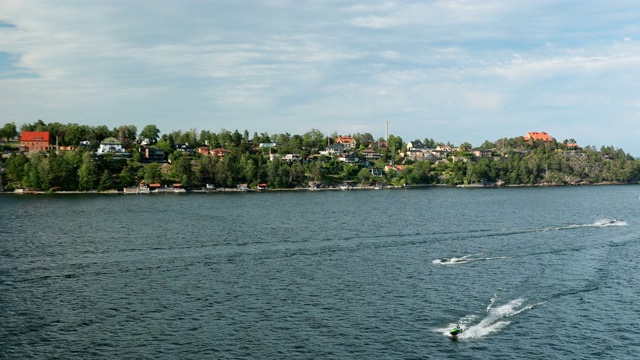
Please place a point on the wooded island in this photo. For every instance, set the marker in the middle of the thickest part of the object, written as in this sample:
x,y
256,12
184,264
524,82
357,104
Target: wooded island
x,y
72,157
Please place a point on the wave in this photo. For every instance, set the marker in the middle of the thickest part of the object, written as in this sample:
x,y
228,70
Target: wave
x,y
496,319
465,259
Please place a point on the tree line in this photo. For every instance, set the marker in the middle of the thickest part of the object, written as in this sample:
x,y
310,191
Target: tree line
x,y
513,161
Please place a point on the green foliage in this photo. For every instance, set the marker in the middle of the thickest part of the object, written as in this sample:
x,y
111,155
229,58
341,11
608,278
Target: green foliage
x,y
153,173
150,133
8,131
514,161
86,173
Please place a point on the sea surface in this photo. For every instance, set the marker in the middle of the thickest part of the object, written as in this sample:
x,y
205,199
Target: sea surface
x,y
529,273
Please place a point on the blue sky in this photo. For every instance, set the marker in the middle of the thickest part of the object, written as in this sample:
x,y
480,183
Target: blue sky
x,y
454,71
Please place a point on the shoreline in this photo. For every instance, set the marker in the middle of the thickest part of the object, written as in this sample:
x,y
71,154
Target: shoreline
x,y
233,190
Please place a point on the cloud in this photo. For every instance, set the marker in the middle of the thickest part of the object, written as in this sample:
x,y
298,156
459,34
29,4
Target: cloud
x,y
474,66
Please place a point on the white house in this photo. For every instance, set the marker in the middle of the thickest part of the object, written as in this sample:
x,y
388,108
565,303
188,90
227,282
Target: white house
x,y
110,145
291,157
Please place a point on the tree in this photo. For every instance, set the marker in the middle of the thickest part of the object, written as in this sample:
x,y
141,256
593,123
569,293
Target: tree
x,y
74,134
15,168
465,146
101,132
150,133
127,133
86,178
364,176
63,170
8,131
395,145
35,173
106,182
152,173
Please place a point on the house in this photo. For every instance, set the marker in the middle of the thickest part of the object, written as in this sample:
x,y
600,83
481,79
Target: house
x,y
203,150
415,154
370,155
219,152
350,158
438,154
262,187
446,148
35,141
334,149
535,136
398,169
148,154
347,141
185,148
291,157
380,144
416,144
377,172
482,153
110,145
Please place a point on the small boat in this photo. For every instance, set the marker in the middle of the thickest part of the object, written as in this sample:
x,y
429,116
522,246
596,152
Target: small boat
x,y
456,331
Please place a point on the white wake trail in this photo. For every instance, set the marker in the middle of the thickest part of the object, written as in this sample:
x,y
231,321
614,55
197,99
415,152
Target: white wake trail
x,y
465,259
496,319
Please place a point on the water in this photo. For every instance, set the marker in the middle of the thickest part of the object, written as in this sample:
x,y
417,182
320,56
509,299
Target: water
x,y
530,273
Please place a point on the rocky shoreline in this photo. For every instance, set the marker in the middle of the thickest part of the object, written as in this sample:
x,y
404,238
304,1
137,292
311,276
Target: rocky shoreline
x,y
333,188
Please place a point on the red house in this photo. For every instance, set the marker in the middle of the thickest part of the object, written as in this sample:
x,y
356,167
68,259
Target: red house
x,y
35,141
219,152
535,136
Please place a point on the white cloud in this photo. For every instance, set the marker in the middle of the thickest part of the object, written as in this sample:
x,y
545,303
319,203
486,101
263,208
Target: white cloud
x,y
485,66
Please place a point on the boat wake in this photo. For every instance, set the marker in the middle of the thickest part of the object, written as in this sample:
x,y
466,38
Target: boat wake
x,y
597,223
465,259
496,319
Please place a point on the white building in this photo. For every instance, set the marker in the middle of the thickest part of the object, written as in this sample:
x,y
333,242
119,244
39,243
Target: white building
x,y
110,145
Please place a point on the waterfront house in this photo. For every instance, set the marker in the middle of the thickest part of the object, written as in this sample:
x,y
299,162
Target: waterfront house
x,y
35,141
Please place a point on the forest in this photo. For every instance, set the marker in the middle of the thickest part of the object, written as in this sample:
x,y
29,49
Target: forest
x,y
510,161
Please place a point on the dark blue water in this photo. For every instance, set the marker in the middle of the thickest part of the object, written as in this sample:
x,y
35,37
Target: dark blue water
x,y
530,273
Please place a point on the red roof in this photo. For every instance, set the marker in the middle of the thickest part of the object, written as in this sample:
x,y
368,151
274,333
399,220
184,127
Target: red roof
x,y
535,136
344,139
35,136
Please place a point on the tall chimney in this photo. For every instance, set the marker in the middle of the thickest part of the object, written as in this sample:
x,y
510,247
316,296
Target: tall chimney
x,y
386,138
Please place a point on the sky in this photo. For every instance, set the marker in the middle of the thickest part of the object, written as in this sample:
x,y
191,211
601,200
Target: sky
x,y
452,71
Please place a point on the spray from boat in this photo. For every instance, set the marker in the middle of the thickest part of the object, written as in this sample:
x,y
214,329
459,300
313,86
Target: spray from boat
x,y
496,318
465,259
